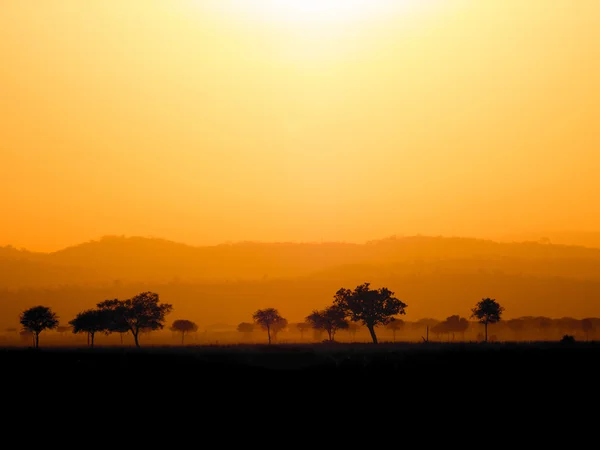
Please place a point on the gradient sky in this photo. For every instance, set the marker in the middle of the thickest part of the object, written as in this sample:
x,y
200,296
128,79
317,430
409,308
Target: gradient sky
x,y
210,121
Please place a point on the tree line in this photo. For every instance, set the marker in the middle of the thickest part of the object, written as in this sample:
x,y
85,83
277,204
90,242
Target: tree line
x,y
350,309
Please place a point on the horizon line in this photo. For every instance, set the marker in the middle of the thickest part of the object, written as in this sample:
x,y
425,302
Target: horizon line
x,y
504,238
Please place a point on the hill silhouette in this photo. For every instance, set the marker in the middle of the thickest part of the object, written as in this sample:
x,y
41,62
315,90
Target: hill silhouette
x,y
436,276
579,238
148,259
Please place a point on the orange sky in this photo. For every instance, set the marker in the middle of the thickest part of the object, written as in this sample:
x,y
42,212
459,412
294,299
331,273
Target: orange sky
x,y
203,124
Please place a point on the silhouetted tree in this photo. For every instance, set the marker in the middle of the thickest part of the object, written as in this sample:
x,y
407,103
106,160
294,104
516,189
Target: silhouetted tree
x,y
38,319
91,322
395,325
142,312
331,319
268,319
277,327
184,326
246,329
371,307
456,324
440,329
487,311
303,327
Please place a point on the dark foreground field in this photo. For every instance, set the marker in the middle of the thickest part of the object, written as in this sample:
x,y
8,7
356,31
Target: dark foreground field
x,y
299,378
442,361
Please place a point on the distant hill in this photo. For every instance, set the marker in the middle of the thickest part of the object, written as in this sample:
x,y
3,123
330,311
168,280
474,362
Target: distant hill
x,y
579,238
136,259
436,276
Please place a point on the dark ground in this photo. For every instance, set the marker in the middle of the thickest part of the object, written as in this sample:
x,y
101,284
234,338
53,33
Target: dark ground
x,y
308,380
422,361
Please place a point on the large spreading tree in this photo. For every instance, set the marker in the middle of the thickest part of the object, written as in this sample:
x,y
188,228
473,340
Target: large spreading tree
x,y
140,313
371,307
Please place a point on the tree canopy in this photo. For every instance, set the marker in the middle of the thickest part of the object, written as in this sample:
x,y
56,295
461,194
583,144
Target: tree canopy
x,y
184,326
270,320
487,311
91,322
245,327
38,319
330,319
141,312
371,307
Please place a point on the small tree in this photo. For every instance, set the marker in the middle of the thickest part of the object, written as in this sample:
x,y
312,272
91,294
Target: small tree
x,y
395,325
246,329
487,311
269,319
456,324
91,322
278,326
330,319
302,327
142,312
184,326
371,307
38,319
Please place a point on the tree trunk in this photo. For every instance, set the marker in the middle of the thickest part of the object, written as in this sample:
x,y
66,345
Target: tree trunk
x,y
92,340
88,339
121,334
329,334
135,338
182,336
372,331
37,340
269,334
486,324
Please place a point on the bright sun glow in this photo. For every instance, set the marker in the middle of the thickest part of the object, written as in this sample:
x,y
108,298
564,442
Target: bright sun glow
x,y
313,11
322,10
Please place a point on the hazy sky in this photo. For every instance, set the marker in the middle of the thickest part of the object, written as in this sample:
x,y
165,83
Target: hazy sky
x,y
209,121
